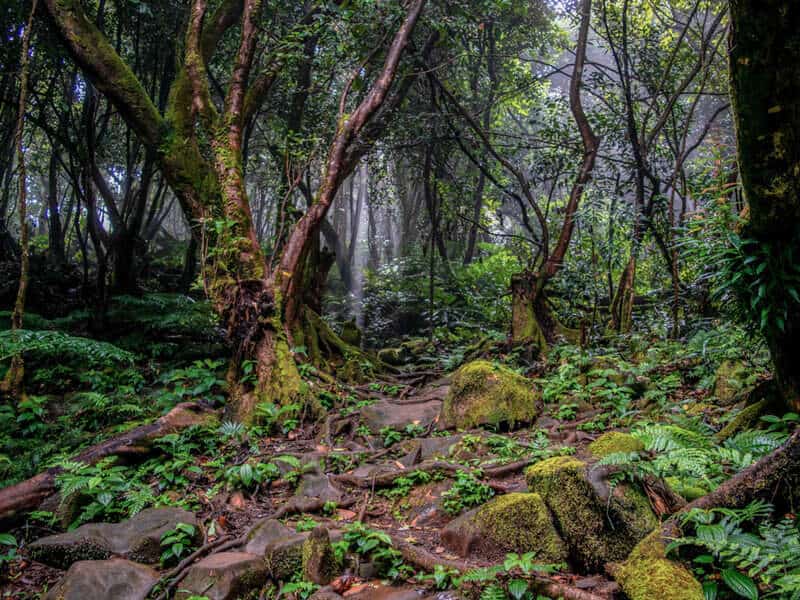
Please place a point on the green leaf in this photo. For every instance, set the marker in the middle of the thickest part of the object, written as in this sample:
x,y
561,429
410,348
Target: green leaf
x,y
710,590
517,588
6,539
740,584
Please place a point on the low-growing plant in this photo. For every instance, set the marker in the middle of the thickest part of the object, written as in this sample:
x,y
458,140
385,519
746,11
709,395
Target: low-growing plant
x,y
467,491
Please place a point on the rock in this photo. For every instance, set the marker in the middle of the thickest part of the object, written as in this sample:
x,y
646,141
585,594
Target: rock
x,y
420,449
482,393
138,538
515,522
394,356
384,413
730,382
647,574
318,486
598,525
280,547
379,591
224,576
351,334
117,578
319,561
615,441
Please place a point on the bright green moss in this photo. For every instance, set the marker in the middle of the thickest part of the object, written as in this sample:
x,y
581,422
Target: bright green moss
x,y
648,574
596,530
520,522
485,394
614,441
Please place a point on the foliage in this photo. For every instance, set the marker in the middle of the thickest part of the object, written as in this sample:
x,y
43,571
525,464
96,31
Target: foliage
x,y
176,542
467,491
373,546
747,548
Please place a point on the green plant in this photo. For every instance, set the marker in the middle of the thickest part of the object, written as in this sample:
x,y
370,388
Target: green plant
x,y
8,551
746,548
390,436
566,412
402,485
300,589
269,416
374,546
465,492
176,542
305,524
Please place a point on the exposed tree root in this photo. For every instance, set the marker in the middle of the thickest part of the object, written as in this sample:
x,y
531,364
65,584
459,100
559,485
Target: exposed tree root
x,y
427,561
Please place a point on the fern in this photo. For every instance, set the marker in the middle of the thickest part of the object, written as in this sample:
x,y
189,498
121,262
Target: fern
x,y
494,592
63,347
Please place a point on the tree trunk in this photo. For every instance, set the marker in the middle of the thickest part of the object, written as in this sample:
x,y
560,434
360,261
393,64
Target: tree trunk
x,y
765,89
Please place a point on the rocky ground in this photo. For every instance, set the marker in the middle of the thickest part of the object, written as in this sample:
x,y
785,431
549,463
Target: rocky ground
x,y
419,473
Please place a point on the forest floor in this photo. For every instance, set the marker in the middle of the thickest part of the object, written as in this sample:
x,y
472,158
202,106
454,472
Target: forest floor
x,y
383,460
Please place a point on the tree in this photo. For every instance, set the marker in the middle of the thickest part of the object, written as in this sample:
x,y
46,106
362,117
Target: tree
x,y
198,144
765,90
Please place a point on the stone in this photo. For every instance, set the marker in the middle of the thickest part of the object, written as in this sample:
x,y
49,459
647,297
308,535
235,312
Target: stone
x,y
351,334
319,561
395,356
516,522
482,393
318,486
730,382
117,578
224,576
598,524
615,441
385,413
647,573
138,538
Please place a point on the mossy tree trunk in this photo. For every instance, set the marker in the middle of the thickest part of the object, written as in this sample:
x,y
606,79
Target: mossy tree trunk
x,y
12,384
765,90
199,152
533,322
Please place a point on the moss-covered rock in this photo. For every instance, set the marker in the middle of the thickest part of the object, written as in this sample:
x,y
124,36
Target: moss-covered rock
x,y
614,441
517,522
351,334
648,574
394,356
482,393
730,382
224,576
687,491
746,418
319,560
599,525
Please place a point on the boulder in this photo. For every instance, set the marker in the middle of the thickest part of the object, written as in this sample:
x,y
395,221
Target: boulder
x,y
351,334
615,441
117,578
648,573
319,561
730,382
482,393
516,522
318,486
280,547
395,356
598,524
224,576
385,413
138,538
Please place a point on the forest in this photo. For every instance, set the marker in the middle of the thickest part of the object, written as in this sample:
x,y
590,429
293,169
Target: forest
x,y
399,299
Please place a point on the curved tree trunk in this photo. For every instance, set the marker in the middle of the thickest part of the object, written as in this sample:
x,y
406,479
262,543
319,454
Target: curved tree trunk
x,y
533,322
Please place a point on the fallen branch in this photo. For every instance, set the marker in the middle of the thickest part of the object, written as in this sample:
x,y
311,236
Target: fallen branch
x,y
29,494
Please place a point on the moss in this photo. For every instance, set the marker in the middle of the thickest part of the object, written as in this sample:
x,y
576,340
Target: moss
x,y
351,334
647,574
689,492
521,522
729,381
614,441
746,418
484,394
597,530
319,561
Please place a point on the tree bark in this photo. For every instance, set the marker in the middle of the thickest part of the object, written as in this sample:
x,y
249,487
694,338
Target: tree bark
x,y
765,87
